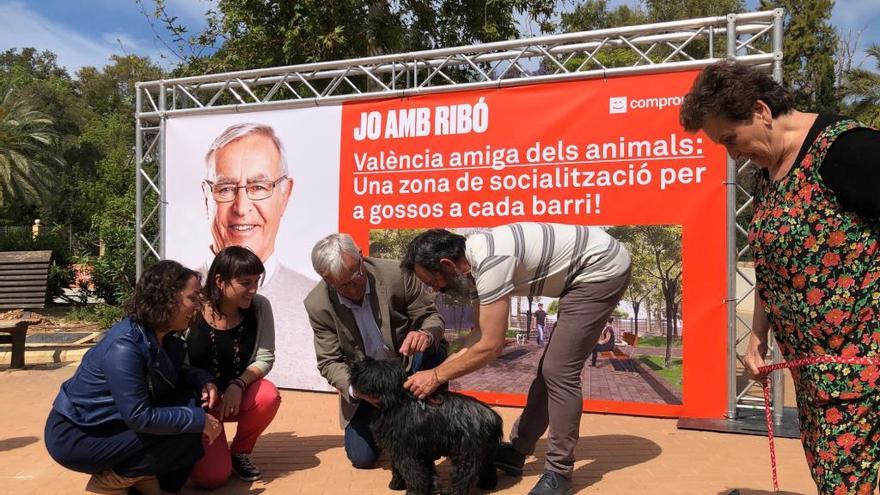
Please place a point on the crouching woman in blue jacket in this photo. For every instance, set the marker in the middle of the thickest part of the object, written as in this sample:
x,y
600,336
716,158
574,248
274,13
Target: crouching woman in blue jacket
x,y
133,414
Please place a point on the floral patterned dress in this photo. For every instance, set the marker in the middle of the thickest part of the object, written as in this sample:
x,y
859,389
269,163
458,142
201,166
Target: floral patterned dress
x,y
818,272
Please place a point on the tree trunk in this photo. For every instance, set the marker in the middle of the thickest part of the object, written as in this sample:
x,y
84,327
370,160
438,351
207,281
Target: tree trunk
x,y
529,320
636,320
669,327
677,333
669,289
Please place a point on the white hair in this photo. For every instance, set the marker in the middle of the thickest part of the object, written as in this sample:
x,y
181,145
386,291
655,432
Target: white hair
x,y
236,132
327,254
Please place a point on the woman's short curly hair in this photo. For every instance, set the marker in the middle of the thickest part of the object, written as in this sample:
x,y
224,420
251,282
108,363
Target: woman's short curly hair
x,y
729,90
157,293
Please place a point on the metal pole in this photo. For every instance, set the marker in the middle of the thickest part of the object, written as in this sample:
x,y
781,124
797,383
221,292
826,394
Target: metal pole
x,y
778,14
730,187
731,36
162,197
778,384
139,185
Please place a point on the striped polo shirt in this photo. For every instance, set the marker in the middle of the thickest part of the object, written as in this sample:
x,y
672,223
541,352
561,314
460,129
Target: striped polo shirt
x,y
541,259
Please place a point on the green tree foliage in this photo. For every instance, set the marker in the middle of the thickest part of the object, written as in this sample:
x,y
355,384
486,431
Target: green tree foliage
x,y
37,78
656,253
595,14
27,140
108,196
93,196
640,288
592,15
267,33
674,10
391,244
862,87
809,46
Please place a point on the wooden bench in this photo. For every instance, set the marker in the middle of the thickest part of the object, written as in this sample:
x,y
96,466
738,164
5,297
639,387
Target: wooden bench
x,y
624,359
631,340
14,332
23,278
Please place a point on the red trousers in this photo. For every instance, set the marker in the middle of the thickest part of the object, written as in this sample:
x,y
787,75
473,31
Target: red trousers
x,y
259,403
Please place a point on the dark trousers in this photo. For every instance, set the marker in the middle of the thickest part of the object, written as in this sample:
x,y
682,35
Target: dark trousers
x,y
555,396
116,447
360,446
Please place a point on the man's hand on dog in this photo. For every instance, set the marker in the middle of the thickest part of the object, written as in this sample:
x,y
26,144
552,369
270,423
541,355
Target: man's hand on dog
x,y
415,342
422,383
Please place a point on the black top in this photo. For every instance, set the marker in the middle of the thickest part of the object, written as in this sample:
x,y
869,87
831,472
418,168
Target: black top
x,y
851,169
540,316
205,342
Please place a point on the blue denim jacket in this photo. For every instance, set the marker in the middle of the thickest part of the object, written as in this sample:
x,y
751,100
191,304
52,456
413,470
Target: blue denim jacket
x,y
128,376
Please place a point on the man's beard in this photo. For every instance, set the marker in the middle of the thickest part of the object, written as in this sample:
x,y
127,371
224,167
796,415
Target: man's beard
x,y
459,289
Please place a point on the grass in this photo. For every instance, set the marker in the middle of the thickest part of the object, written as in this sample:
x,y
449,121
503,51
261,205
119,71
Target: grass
x,y
657,341
672,374
102,314
455,344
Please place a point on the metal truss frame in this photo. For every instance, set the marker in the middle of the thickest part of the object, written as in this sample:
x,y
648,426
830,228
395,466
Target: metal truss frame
x,y
754,38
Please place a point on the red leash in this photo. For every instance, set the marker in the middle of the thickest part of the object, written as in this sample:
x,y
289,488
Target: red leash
x,y
797,363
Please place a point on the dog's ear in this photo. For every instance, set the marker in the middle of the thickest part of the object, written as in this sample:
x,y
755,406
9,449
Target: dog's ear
x,y
359,371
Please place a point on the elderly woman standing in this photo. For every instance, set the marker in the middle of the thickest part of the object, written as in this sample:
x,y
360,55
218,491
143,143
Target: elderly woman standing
x,y
130,415
815,235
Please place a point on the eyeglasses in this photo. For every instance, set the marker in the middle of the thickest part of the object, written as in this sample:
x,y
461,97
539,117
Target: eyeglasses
x,y
256,191
355,277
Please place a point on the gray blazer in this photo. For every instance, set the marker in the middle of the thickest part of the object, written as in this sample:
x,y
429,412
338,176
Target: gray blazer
x,y
400,304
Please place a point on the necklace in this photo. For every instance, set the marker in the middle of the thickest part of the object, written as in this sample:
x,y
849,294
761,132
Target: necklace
x,y
236,350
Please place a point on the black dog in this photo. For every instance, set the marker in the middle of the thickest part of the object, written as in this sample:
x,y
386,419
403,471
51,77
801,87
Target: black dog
x,y
416,432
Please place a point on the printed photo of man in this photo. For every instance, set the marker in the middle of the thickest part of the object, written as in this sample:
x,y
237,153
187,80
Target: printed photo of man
x,y
247,187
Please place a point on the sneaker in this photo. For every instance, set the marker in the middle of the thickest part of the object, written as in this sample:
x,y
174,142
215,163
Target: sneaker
x,y
509,460
147,486
552,483
110,483
244,468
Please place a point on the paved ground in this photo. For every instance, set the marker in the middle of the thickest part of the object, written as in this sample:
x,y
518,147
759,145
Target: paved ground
x,y
301,452
611,379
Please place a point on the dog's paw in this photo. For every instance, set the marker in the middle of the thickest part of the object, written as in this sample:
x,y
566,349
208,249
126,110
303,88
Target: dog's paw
x,y
487,483
488,478
397,483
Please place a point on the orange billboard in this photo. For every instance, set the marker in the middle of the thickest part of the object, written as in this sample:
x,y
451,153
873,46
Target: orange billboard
x,y
607,153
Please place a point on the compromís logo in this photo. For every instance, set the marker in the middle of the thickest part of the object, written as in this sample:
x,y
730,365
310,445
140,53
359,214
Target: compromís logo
x,y
617,104
622,104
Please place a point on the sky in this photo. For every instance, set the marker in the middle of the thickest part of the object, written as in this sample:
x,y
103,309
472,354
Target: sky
x,y
87,32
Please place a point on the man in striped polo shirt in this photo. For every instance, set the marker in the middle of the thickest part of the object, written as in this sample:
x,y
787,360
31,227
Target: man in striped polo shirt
x,y
583,266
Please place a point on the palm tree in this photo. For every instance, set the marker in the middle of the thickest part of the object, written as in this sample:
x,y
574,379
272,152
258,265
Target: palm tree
x,y
863,87
27,139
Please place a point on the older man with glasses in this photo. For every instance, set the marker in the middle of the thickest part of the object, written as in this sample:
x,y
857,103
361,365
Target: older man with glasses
x,y
247,188
366,307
